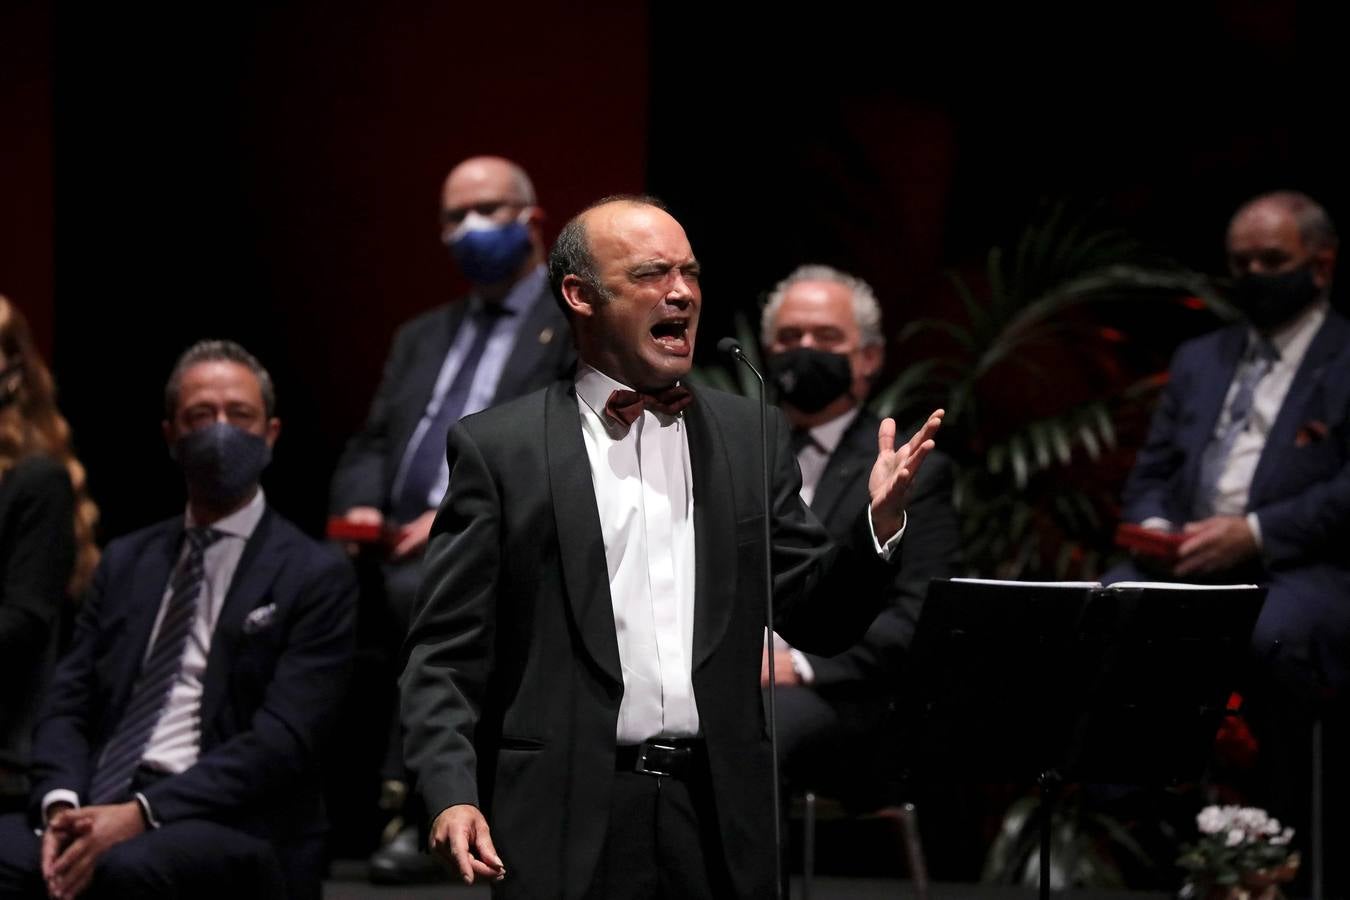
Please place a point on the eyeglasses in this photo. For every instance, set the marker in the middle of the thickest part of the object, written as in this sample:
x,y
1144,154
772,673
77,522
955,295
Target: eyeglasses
x,y
454,215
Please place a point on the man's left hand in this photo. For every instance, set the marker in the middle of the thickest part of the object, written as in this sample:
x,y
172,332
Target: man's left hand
x,y
97,829
414,536
1215,544
894,472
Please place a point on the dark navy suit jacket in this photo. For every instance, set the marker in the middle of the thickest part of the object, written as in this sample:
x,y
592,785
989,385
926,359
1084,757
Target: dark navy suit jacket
x,y
1300,491
270,692
366,471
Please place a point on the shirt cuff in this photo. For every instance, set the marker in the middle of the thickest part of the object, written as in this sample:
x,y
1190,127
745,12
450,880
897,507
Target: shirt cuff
x,y
1254,523
59,795
888,550
802,666
146,811
1158,523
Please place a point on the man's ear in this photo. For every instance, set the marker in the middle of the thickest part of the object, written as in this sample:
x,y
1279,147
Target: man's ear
x,y
578,295
870,359
272,432
1323,266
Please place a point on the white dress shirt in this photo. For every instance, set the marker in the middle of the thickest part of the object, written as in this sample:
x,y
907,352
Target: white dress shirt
x,y
645,496
176,741
815,456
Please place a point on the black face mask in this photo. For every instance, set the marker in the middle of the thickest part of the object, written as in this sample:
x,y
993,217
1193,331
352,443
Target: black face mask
x,y
810,379
1271,300
221,463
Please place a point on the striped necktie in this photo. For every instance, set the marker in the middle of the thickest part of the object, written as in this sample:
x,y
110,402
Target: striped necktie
x,y
150,694
1256,365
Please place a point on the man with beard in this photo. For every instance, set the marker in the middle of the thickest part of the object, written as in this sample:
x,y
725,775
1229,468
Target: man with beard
x,y
1248,459
823,337
176,752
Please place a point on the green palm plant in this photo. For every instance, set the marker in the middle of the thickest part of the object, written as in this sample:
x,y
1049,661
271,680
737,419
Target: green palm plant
x,y
1033,389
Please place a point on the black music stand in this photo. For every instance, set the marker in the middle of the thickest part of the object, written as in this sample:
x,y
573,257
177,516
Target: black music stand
x,y
1053,682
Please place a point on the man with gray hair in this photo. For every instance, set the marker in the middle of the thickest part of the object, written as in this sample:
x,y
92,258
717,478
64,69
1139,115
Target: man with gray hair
x,y
822,332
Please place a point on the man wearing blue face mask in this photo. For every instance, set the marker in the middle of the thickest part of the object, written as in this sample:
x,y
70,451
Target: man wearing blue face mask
x,y
822,335
506,338
176,752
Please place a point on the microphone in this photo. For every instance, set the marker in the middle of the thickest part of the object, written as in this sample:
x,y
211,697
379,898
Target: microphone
x,y
729,346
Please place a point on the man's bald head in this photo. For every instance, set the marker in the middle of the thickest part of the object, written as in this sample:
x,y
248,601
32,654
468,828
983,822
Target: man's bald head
x,y
1309,219
485,194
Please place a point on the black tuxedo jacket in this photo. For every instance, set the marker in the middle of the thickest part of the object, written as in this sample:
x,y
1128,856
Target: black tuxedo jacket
x,y
365,472
270,690
931,549
512,687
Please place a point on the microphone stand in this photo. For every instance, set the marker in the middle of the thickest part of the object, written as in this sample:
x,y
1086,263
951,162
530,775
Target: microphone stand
x,y
733,349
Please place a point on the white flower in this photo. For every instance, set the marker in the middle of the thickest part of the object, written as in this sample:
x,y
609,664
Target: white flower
x,y
1235,836
1212,820
1283,837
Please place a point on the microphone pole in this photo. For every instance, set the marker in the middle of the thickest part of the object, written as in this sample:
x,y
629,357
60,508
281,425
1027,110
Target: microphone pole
x,y
730,347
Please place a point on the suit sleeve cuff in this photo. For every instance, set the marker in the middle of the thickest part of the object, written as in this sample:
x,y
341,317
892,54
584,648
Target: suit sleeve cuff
x,y
1254,523
802,666
146,812
59,795
887,550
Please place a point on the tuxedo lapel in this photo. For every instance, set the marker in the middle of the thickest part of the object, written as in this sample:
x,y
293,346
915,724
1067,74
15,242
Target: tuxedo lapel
x,y
581,543
714,530
258,567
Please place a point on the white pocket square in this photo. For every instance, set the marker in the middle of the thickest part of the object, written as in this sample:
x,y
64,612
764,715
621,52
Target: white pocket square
x,y
260,619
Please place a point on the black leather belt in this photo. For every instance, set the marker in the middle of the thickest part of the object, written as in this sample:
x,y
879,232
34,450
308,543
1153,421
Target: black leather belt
x,y
671,757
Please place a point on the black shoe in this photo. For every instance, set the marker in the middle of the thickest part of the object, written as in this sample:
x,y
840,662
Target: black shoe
x,y
401,861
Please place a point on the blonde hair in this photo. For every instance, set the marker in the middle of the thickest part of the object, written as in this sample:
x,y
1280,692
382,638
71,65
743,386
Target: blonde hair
x,y
31,424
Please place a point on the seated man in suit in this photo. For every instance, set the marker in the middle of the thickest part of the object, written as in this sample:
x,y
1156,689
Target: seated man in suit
x,y
1248,458
506,338
822,334
176,754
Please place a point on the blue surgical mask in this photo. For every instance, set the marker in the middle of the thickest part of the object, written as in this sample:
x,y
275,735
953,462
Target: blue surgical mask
x,y
489,253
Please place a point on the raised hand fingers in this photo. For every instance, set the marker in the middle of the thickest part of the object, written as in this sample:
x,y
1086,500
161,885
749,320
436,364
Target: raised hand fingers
x,y
927,432
886,436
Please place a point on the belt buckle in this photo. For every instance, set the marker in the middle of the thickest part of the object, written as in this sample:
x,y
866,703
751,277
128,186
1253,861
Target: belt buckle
x,y
645,748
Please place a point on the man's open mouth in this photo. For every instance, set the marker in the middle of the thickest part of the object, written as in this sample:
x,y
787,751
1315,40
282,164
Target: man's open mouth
x,y
672,335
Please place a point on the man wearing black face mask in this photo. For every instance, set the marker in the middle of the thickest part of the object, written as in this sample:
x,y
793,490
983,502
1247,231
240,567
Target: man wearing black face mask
x,y
175,754
1248,458
822,333
505,339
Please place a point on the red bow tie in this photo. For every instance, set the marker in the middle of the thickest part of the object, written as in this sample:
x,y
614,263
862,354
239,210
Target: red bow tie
x,y
624,407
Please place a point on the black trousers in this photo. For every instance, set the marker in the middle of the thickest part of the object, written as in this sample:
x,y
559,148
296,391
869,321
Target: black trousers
x,y
663,841
181,859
